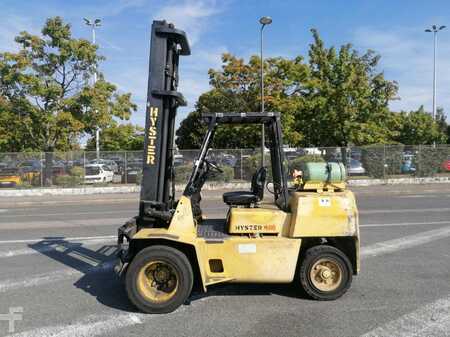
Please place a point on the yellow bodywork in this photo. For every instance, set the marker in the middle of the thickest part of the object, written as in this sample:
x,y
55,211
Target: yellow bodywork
x,y
263,244
326,214
10,179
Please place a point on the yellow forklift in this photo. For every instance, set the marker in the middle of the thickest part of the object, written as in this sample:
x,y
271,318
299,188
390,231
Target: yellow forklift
x,y
307,235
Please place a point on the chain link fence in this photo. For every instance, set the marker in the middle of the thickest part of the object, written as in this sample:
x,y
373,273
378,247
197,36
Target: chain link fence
x,y
79,168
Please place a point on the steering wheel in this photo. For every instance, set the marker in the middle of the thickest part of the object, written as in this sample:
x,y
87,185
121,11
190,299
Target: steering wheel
x,y
275,187
213,166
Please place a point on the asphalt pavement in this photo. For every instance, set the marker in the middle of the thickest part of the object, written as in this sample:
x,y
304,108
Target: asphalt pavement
x,y
56,278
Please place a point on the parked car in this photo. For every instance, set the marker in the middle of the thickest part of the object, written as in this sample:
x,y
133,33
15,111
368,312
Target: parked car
x,y
408,166
10,177
110,163
228,160
30,166
134,169
178,160
355,167
98,173
446,165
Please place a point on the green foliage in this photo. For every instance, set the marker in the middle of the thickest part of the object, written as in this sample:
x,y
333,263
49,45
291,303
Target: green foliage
x,y
346,99
337,99
236,88
74,178
77,171
119,137
417,127
297,163
45,85
429,159
225,177
250,164
183,173
379,161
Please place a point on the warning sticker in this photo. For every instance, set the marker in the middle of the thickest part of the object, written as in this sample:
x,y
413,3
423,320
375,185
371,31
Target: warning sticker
x,y
325,202
247,248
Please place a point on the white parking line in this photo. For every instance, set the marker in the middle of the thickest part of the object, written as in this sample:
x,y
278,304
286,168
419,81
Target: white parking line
x,y
95,325
79,238
405,210
405,224
409,241
3,210
52,277
40,215
62,244
91,326
433,320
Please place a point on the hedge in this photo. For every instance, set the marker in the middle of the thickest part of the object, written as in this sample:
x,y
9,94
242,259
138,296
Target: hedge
x,y
380,160
297,163
428,160
183,173
74,178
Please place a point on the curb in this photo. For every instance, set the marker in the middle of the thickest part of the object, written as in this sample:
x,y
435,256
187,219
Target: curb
x,y
37,192
399,181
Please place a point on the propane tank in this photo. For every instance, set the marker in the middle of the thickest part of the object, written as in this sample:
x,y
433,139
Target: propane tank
x,y
330,172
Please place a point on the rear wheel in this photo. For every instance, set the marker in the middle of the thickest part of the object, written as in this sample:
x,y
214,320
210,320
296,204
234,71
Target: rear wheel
x,y
159,279
325,273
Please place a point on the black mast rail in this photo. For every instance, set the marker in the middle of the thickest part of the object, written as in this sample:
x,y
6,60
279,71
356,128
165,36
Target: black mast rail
x,y
157,186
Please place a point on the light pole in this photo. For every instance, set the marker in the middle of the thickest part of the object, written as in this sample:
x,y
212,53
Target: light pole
x,y
94,24
434,29
265,20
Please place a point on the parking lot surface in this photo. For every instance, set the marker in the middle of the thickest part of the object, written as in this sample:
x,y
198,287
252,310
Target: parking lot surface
x,y
57,253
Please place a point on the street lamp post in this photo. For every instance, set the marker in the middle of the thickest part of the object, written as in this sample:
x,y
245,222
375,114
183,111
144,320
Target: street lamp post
x,y
265,20
94,24
434,29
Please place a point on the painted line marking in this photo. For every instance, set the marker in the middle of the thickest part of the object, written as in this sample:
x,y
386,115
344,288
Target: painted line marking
x,y
92,240
80,238
404,210
53,277
94,325
62,244
410,241
406,224
69,213
431,320
376,249
3,210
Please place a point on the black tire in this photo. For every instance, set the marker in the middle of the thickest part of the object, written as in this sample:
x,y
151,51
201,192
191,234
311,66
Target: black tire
x,y
180,265
325,253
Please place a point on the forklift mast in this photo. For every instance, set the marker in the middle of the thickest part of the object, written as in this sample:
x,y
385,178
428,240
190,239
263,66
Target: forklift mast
x,y
163,99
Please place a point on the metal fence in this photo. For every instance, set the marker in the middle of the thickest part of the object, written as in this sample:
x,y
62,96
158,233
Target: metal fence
x,y
77,168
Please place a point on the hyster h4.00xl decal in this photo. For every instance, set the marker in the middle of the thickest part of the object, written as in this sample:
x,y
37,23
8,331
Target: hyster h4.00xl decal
x,y
152,133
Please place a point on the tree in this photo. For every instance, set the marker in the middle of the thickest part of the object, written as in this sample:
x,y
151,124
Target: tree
x,y
47,83
417,127
236,88
337,99
346,100
441,120
119,137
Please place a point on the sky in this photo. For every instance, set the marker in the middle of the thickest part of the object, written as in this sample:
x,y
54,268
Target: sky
x,y
394,29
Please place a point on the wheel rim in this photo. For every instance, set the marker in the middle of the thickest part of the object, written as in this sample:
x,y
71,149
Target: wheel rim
x,y
326,274
157,281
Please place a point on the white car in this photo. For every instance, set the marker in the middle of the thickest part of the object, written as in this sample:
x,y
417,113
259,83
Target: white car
x,y
110,163
98,173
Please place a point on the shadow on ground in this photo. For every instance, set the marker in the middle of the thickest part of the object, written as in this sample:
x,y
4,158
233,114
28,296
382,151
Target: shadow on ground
x,y
100,281
96,265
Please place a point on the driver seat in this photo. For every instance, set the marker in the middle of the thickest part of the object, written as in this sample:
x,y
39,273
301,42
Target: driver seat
x,y
245,198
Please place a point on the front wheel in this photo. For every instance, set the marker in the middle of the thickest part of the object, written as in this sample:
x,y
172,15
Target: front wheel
x,y
159,279
325,273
